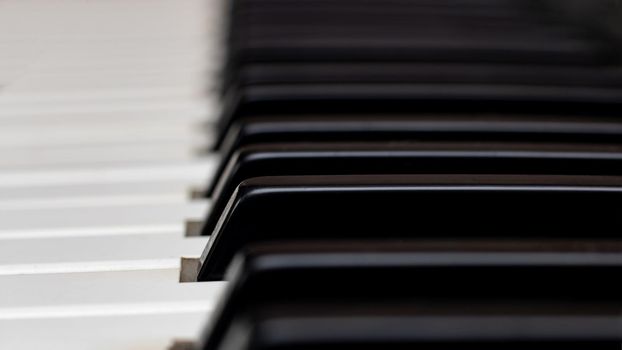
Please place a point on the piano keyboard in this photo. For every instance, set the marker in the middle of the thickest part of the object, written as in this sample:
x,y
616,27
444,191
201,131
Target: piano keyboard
x,y
274,174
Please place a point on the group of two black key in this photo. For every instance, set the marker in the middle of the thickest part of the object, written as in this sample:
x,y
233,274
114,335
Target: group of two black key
x,y
418,174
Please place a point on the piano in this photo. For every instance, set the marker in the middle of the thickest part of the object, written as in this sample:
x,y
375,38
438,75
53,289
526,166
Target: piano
x,y
306,174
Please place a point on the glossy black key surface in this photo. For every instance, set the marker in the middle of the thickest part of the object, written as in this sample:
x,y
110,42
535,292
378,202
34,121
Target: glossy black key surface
x,y
342,98
434,293
277,159
488,82
309,329
408,30
397,93
412,56
419,127
472,75
413,206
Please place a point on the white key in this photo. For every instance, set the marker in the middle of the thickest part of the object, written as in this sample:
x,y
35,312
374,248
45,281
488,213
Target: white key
x,y
101,202
188,107
144,218
97,293
103,310
195,171
67,194
109,116
100,134
97,253
139,331
108,155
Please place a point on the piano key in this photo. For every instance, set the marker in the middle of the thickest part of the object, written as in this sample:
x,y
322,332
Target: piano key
x,y
460,9
365,282
22,297
604,14
258,18
88,194
395,44
421,98
115,218
66,157
487,79
349,264
123,331
128,305
104,118
122,192
413,21
110,81
251,42
252,22
333,128
195,171
479,73
279,159
441,206
97,253
130,133
120,103
38,203
304,326
21,108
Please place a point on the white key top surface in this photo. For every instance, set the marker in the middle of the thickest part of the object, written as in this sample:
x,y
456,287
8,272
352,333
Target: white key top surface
x,y
103,310
115,154
118,331
194,171
70,294
113,219
97,253
45,196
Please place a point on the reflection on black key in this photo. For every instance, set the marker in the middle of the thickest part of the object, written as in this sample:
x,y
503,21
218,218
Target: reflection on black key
x,y
413,206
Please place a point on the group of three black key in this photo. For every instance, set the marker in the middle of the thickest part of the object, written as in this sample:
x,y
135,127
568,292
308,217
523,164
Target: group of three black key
x,y
418,174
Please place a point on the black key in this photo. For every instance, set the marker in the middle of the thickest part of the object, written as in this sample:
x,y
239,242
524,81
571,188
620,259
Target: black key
x,y
473,76
277,159
329,61
603,16
304,327
380,30
417,101
411,98
322,158
436,294
419,127
413,206
328,86
431,73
